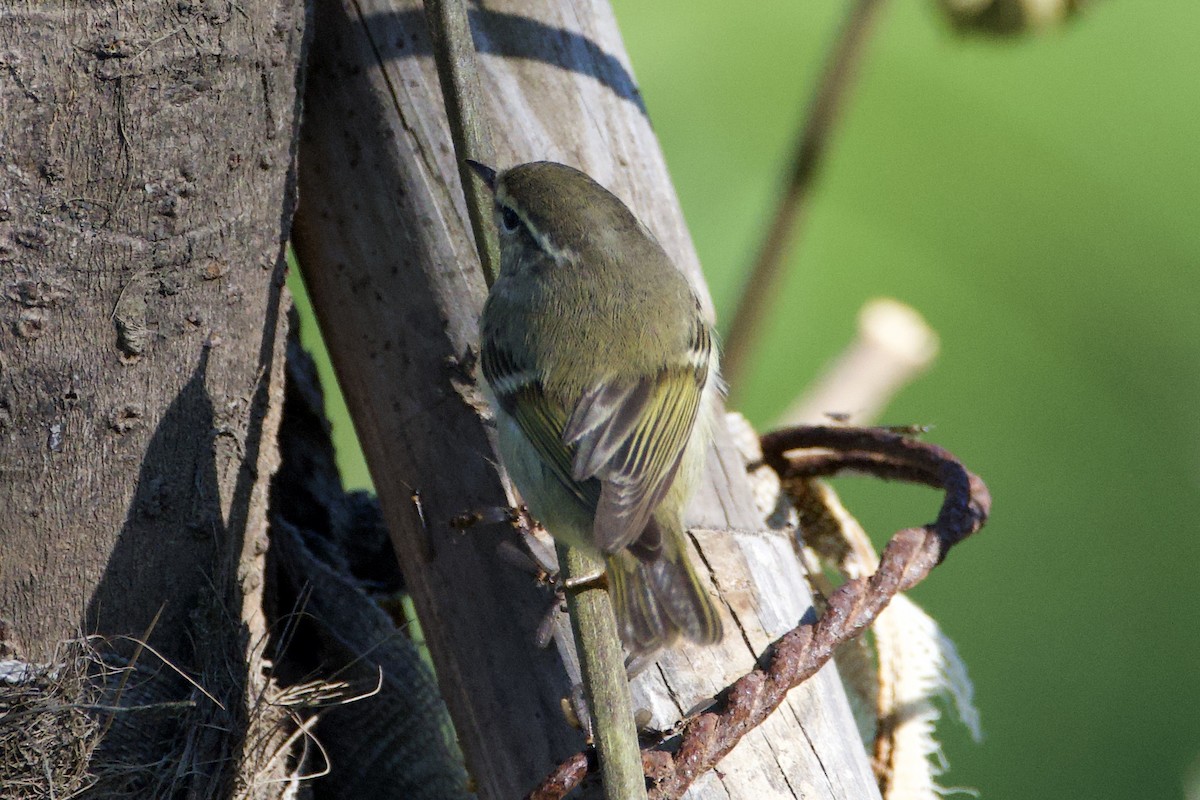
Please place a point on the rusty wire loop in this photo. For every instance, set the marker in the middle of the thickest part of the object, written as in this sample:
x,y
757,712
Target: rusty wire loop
x,y
798,654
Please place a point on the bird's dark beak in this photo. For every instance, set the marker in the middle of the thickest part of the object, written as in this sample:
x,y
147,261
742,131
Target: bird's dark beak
x,y
486,173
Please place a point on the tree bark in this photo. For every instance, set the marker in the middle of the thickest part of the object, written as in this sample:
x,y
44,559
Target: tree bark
x,y
146,190
383,238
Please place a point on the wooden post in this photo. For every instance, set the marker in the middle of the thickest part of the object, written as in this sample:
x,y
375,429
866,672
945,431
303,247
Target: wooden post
x,y
383,235
146,189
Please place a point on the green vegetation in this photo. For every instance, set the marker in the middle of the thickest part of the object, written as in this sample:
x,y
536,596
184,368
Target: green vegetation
x,y
1039,201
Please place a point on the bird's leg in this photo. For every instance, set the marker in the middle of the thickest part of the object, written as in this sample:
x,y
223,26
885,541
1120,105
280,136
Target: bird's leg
x,y
534,558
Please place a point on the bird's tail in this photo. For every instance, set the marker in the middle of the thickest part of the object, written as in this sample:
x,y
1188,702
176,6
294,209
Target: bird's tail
x,y
658,597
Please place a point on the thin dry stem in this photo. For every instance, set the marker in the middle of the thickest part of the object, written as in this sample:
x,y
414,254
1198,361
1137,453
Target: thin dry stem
x,y
824,109
458,73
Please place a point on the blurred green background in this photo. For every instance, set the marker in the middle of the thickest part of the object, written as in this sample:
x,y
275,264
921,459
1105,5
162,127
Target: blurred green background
x,y
1038,200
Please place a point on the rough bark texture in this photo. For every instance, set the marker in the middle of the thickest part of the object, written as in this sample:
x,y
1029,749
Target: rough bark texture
x,y
387,253
146,186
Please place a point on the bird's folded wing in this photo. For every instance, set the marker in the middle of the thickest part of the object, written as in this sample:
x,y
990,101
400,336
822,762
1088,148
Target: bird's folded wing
x,y
518,389
618,450
631,434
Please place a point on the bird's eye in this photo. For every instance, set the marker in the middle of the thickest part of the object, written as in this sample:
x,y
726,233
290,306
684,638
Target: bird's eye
x,y
509,219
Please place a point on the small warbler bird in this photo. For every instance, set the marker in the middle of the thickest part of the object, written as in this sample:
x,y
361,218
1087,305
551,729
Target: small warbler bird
x,y
603,378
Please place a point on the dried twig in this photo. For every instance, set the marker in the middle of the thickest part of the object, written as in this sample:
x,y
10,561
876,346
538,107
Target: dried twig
x,y
454,50
824,108
798,654
893,345
592,621
605,685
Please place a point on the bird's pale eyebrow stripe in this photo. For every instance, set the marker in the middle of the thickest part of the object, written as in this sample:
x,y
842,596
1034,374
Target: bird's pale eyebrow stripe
x,y
559,254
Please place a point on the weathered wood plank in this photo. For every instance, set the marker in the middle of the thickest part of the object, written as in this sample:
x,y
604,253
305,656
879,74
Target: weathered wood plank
x,y
383,234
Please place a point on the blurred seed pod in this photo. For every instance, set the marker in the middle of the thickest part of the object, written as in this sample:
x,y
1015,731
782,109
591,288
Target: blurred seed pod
x,y
1008,17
